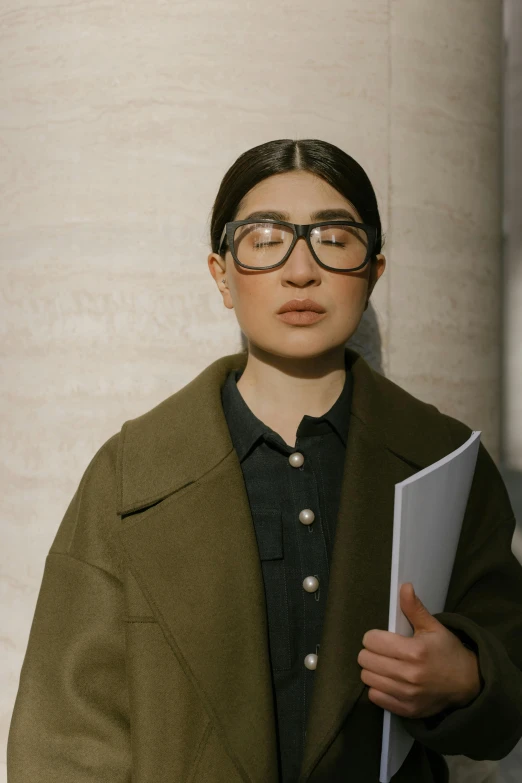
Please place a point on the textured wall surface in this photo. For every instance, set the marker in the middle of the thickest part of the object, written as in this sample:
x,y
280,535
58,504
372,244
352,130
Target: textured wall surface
x,y
512,392
445,206
118,121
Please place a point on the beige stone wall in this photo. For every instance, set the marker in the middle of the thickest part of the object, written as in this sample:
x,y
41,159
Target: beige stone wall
x,y
117,123
445,207
512,289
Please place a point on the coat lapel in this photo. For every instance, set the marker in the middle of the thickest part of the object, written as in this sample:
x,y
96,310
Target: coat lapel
x,y
190,542
195,557
359,587
392,435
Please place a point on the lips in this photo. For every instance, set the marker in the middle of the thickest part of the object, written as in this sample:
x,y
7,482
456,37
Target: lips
x,y
301,304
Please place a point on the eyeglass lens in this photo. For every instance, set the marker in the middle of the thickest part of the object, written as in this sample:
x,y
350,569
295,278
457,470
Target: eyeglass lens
x,y
263,244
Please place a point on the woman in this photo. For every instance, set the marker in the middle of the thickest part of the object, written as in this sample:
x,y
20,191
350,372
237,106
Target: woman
x,y
215,603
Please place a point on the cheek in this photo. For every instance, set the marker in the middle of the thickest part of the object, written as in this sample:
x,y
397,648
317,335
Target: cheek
x,y
349,292
253,295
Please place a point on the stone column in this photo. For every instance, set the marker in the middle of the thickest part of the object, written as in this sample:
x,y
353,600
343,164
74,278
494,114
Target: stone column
x,y
444,182
512,311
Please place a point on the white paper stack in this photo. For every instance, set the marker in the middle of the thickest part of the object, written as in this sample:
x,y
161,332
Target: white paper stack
x,y
428,514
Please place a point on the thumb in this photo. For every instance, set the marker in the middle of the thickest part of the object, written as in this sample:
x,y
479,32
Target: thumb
x,y
415,610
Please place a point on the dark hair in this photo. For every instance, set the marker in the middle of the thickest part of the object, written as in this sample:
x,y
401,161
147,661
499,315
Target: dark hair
x,y
325,160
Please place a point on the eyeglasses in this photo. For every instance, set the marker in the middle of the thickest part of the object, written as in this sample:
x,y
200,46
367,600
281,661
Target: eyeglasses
x,y
339,245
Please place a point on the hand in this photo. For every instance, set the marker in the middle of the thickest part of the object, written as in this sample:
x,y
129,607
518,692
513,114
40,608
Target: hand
x,y
421,675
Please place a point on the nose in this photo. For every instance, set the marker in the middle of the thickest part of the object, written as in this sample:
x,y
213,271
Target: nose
x,y
300,267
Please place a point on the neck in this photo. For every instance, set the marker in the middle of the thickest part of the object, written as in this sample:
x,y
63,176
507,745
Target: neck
x,y
280,390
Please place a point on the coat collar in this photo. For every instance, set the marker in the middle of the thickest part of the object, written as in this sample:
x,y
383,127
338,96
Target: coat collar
x,y
191,423
190,543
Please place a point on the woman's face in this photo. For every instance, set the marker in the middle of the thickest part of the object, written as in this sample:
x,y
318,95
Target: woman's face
x,y
256,296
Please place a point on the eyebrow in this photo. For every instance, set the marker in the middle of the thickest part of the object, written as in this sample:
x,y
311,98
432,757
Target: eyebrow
x,y
322,214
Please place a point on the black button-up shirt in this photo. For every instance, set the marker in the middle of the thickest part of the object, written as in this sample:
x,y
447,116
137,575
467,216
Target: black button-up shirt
x,y
290,550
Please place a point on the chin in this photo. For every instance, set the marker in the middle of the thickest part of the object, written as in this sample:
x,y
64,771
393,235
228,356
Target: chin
x,y
302,346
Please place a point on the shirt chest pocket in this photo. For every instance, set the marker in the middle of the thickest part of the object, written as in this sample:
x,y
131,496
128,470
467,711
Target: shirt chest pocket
x,y
269,533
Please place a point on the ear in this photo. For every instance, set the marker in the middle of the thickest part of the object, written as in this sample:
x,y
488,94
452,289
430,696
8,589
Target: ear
x,y
377,267
217,266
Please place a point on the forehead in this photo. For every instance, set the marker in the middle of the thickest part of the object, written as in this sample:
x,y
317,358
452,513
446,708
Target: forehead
x,y
298,194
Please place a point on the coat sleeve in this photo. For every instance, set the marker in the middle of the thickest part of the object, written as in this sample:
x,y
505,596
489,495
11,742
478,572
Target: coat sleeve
x,y
70,722
484,609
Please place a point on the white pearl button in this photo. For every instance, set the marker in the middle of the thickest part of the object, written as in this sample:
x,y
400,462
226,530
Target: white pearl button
x,y
310,661
310,584
296,459
306,516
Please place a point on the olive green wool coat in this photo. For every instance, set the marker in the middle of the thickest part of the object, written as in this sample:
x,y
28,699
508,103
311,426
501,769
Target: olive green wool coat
x,y
148,654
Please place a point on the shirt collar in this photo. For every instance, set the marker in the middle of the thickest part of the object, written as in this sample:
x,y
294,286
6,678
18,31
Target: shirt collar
x,y
246,429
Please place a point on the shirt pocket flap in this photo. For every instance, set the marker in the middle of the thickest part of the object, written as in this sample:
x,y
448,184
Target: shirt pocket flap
x,y
269,532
